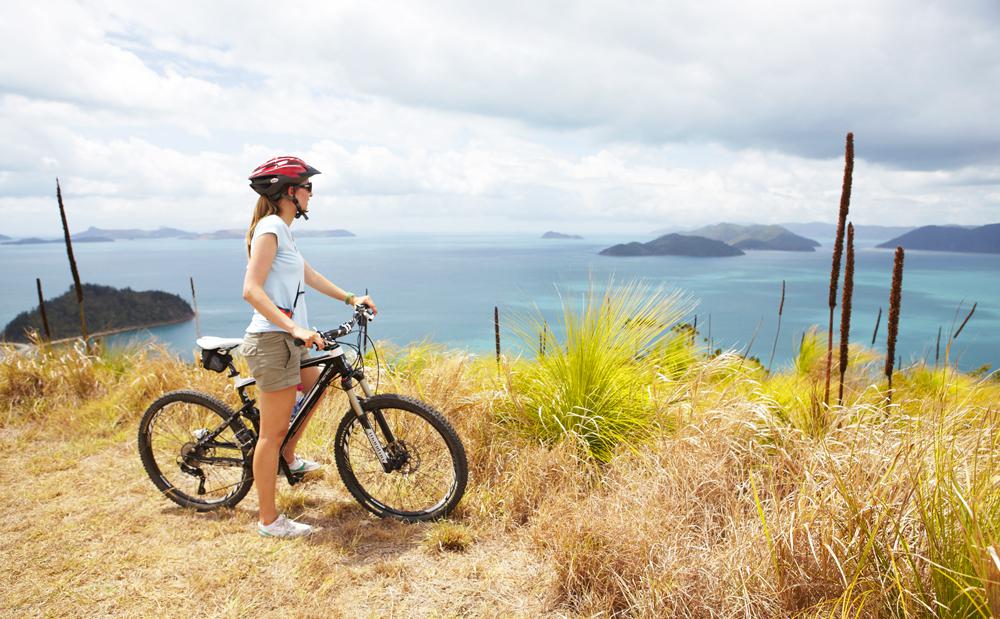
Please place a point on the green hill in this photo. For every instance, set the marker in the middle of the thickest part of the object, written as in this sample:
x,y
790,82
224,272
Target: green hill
x,y
754,237
107,309
980,240
674,245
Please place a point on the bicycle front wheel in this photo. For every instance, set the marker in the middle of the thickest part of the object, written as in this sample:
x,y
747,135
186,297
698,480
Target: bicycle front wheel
x,y
427,470
196,450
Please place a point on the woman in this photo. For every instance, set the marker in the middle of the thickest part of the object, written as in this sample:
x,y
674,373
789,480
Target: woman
x,y
275,283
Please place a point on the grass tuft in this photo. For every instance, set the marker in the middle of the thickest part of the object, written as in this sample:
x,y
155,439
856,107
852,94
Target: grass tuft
x,y
447,536
595,385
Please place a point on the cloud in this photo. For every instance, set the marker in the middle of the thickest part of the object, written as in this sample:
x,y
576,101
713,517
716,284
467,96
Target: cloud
x,y
484,116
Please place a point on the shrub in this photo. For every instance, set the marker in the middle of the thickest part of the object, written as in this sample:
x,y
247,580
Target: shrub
x,y
596,385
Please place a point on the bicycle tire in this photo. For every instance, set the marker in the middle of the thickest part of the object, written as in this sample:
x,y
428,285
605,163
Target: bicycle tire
x,y
431,445
165,451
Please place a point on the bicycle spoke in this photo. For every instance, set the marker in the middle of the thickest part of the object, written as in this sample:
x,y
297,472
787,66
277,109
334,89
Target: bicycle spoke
x,y
407,492
174,431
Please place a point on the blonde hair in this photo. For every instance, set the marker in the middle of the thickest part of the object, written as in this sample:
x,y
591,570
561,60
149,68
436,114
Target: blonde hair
x,y
265,206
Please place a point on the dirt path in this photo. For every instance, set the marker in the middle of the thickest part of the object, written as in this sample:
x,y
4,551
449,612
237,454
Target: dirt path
x,y
84,532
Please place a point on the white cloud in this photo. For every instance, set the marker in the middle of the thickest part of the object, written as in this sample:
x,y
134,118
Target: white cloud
x,y
475,115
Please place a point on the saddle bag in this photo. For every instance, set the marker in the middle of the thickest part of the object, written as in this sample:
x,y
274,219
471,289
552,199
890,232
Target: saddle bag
x,y
215,360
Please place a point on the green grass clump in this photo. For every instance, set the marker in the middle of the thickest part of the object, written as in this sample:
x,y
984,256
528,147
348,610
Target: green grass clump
x,y
596,385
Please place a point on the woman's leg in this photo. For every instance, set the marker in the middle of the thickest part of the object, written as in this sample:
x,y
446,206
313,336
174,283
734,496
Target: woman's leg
x,y
275,410
309,378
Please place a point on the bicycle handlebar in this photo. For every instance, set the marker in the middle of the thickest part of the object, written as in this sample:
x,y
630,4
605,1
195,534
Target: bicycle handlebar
x,y
362,315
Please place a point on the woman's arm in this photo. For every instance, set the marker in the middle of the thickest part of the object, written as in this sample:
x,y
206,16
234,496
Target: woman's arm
x,y
316,281
262,255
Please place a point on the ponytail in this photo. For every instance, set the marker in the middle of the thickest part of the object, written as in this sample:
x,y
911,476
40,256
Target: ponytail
x,y
265,206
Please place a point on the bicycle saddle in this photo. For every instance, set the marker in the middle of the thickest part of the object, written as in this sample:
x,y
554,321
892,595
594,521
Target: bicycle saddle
x,y
210,342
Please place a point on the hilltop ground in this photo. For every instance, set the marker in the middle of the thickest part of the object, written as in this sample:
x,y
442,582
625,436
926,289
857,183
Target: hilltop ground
x,y
745,499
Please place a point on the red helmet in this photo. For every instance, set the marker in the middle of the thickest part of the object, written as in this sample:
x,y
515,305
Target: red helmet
x,y
271,177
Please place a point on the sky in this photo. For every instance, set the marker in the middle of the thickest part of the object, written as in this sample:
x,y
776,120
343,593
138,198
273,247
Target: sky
x,y
484,117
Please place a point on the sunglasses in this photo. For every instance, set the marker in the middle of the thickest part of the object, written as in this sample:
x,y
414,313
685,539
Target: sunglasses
x,y
307,186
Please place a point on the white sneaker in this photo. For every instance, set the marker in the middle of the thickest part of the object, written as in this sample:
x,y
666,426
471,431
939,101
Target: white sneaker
x,y
301,465
284,527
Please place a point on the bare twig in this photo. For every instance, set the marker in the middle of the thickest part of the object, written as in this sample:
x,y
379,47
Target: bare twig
x,y
41,310
877,321
194,300
781,308
753,338
72,266
937,349
962,326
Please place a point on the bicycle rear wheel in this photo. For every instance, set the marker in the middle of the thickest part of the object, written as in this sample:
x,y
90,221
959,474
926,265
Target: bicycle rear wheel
x,y
196,450
428,470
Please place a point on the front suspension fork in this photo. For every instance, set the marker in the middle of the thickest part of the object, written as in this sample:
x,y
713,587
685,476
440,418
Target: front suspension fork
x,y
383,457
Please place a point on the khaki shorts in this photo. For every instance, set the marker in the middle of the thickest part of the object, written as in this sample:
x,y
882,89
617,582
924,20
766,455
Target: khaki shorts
x,y
274,359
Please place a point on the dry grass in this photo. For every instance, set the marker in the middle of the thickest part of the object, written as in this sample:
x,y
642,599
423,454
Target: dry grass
x,y
750,500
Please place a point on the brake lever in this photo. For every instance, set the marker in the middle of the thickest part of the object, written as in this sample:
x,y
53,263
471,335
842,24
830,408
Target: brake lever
x,y
364,312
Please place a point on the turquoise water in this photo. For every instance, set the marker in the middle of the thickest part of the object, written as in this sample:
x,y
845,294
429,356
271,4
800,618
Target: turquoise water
x,y
444,288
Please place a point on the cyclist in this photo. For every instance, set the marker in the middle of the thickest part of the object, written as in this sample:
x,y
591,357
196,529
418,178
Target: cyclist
x,y
276,279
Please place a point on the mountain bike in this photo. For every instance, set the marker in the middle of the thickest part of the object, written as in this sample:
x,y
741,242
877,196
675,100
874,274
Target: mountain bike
x,y
397,456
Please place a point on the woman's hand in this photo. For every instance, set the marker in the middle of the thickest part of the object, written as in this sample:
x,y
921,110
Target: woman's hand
x,y
309,337
366,300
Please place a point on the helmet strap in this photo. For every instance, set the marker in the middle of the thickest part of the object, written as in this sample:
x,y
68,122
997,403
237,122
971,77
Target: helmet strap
x,y
298,208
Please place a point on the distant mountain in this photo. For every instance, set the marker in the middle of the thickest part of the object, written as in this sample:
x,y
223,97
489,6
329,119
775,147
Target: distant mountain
x,y
133,234
107,309
674,245
981,240
239,233
826,232
4,238
232,233
308,234
551,234
755,237
36,241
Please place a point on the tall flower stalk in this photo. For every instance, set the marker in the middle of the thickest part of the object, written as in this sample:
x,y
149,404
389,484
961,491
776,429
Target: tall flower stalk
x,y
838,250
845,311
895,297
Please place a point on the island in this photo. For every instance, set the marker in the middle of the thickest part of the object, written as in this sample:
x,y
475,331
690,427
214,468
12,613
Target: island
x,y
131,234
37,241
324,234
93,234
979,240
233,233
552,234
108,310
674,245
821,230
4,237
757,237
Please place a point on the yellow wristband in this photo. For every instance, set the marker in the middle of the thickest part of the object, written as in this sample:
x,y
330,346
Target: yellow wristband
x,y
349,299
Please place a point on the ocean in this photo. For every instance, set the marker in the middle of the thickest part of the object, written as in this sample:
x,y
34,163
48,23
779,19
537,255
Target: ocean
x,y
443,288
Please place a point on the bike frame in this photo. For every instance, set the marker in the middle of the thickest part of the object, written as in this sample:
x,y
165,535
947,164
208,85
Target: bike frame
x,y
333,365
